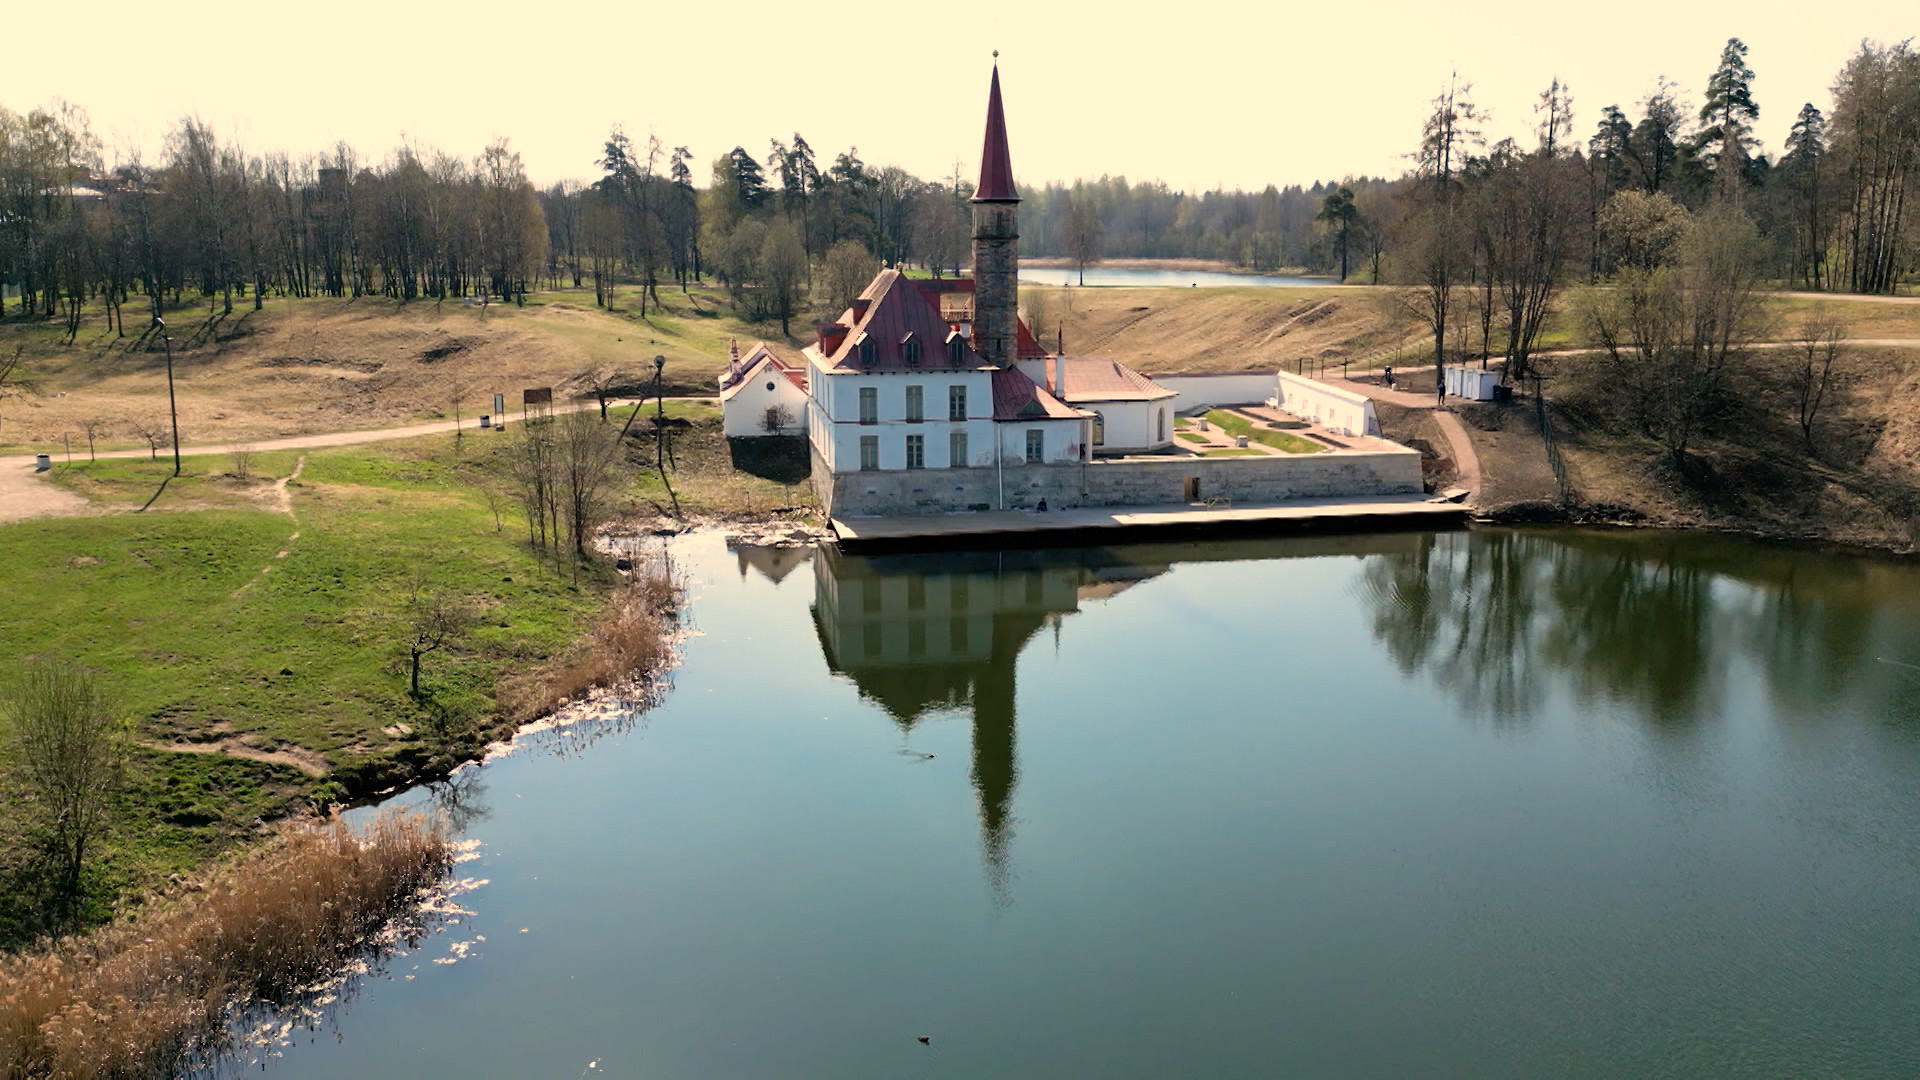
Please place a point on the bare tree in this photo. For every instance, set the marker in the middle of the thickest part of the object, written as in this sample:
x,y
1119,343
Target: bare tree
x,y
1080,232
1671,333
845,272
783,268
587,454
601,380
435,620
242,456
93,427
457,397
1821,344
153,432
70,744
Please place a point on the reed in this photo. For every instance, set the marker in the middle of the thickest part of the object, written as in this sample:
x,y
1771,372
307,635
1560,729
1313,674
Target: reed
x,y
631,640
147,996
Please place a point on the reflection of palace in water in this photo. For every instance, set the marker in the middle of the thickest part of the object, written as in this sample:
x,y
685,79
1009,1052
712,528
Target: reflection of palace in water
x,y
921,634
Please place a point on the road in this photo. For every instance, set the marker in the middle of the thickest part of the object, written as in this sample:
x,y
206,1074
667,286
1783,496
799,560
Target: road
x,y
25,494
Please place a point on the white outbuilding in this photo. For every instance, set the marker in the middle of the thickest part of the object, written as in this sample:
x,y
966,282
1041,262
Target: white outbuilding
x,y
761,393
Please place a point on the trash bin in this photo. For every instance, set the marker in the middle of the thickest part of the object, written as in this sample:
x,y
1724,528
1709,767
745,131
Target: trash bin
x,y
485,421
1502,392
1240,441
42,462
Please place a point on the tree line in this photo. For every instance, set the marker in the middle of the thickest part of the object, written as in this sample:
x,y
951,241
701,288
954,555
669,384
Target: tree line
x,y
217,221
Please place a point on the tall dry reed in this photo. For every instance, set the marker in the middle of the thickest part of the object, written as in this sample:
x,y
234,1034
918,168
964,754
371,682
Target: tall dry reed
x,y
142,998
631,640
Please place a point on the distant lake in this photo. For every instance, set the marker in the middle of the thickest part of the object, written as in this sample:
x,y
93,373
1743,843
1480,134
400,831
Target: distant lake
x,y
1159,279
1490,803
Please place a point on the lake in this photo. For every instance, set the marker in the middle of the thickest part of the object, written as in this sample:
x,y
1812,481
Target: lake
x,y
1177,279
1490,803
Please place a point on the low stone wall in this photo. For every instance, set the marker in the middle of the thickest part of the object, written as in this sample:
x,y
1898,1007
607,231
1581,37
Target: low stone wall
x,y
1120,483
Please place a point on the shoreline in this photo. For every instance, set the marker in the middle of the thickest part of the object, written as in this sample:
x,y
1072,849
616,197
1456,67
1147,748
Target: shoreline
x,y
1215,266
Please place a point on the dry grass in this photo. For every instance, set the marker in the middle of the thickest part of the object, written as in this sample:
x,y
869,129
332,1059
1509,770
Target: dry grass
x,y
631,641
151,995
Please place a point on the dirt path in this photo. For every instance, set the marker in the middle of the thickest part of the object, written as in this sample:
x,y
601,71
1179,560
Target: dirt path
x,y
24,495
1466,463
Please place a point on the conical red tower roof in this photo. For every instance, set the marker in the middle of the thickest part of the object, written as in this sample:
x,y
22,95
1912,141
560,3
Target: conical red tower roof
x,y
996,165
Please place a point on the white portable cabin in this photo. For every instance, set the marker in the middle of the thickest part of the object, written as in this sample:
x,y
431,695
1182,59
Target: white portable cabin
x,y
1472,383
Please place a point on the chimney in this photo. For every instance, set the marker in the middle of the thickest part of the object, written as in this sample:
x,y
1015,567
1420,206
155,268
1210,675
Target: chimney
x,y
860,305
831,336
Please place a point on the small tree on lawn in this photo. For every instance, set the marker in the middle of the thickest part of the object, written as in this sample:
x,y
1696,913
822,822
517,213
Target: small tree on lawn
x,y
435,620
70,745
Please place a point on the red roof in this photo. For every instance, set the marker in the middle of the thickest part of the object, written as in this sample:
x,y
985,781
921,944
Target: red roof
x,y
1016,397
896,309
1026,348
996,165
741,370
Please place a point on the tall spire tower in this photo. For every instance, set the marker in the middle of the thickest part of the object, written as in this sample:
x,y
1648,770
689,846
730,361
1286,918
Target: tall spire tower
x,y
996,241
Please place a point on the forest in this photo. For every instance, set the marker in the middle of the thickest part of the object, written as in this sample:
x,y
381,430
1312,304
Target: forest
x,y
223,223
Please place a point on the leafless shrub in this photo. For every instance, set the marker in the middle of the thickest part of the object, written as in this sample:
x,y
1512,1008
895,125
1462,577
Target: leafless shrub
x,y
242,461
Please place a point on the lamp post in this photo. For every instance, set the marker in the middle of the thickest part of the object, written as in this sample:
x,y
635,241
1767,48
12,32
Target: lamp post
x,y
173,411
659,416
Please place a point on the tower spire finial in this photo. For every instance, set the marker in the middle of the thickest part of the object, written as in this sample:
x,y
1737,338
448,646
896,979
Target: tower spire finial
x,y
996,164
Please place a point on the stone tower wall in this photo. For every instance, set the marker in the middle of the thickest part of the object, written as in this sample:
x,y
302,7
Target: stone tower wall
x,y
996,280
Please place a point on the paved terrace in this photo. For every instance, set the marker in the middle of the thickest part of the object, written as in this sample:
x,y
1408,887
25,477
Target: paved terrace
x,y
1015,527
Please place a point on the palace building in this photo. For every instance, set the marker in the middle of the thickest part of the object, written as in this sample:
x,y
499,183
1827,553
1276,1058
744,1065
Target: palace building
x,y
932,396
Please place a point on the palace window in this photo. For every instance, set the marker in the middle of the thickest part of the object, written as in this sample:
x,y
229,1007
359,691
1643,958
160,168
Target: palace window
x,y
956,403
866,352
957,450
869,405
1036,446
1099,430
869,453
1163,426
956,348
916,404
916,451
910,349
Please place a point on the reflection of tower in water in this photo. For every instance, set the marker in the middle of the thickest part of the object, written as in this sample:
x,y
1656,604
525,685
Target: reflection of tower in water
x,y
925,634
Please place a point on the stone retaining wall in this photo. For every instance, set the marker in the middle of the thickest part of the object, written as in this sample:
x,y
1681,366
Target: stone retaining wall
x,y
1119,483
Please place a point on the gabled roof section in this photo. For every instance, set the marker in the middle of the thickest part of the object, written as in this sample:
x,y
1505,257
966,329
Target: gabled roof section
x,y
745,368
894,309
1016,397
996,165
1101,378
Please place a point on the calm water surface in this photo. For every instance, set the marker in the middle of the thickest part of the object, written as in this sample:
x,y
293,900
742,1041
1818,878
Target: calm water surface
x,y
1486,804
1179,279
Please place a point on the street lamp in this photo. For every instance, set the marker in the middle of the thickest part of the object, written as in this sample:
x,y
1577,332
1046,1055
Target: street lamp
x,y
172,410
659,415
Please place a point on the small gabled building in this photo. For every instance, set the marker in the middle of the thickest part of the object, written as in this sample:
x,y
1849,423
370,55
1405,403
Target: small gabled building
x,y
762,393
1129,412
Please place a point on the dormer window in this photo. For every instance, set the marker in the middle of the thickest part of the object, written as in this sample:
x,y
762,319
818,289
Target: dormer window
x,y
910,349
866,351
956,348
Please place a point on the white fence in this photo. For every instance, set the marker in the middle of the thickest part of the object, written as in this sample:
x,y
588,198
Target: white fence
x,y
1235,388
1337,410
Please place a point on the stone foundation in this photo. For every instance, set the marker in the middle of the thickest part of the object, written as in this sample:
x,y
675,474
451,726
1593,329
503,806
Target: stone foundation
x,y
1118,483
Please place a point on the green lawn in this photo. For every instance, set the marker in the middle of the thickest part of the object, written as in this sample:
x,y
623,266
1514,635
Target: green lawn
x,y
1233,451
1235,424
1191,436
205,631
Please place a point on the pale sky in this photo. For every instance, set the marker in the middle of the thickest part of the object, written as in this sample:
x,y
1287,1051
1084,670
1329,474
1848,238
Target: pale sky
x,y
1196,93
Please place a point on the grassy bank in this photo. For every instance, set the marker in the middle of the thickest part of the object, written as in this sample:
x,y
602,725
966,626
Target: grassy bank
x,y
1235,424
254,630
